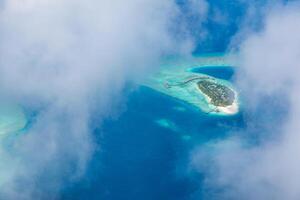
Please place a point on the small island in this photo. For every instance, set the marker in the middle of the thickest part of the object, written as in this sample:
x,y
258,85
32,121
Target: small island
x,y
212,95
221,96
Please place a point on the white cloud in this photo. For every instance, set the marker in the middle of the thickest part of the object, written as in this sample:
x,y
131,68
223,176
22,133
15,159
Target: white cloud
x,y
72,58
270,65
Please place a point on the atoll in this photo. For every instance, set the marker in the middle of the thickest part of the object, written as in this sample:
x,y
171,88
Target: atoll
x,y
212,95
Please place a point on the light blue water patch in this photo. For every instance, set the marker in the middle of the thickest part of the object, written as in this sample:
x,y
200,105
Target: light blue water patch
x,y
168,124
12,119
179,108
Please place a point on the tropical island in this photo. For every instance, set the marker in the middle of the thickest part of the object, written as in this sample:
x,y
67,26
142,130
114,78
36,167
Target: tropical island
x,y
219,95
212,95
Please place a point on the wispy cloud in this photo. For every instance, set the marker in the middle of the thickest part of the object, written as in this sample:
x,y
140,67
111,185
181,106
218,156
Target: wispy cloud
x,y
72,58
270,66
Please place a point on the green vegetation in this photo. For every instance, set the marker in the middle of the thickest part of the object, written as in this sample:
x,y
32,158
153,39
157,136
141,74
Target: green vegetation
x,y
220,95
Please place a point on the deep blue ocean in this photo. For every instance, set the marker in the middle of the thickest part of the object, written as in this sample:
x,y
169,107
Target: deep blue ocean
x,y
222,72
145,151
141,158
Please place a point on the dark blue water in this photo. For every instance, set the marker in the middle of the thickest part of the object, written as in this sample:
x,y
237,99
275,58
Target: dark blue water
x,y
222,72
140,159
223,20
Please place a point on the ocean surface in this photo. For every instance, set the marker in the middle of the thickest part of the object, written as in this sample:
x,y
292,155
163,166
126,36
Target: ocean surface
x,y
221,72
145,152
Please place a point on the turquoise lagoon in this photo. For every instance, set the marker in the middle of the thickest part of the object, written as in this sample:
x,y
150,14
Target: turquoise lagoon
x,y
179,78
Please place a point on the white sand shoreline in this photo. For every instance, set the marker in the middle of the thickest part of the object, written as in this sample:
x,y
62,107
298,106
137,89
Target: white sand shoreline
x,y
229,110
